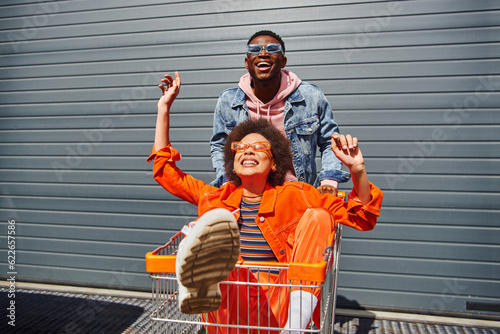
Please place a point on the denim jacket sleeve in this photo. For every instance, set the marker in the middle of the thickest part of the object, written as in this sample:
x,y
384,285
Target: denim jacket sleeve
x,y
309,124
331,167
217,141
230,110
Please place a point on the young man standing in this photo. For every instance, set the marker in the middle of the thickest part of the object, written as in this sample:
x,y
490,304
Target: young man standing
x,y
300,110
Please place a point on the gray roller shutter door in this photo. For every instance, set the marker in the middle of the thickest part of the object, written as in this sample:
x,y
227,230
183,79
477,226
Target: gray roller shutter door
x,y
417,81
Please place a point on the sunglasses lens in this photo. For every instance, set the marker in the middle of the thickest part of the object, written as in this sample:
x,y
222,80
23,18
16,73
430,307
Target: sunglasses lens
x,y
239,146
273,48
260,146
254,48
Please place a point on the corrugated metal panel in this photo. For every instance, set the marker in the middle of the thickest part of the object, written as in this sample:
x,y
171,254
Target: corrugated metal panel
x,y
417,81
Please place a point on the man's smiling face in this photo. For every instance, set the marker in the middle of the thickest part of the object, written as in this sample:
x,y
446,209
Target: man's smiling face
x,y
264,66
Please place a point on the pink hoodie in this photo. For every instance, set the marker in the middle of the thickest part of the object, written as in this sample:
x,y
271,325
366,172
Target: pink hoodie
x,y
273,110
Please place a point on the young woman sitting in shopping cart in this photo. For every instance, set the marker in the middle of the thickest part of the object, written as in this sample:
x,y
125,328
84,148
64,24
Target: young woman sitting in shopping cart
x,y
279,221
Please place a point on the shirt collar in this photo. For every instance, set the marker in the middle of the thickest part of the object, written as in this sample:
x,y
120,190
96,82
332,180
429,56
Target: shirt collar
x,y
234,194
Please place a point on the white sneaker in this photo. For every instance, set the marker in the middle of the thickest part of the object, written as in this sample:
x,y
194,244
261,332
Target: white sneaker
x,y
300,311
204,258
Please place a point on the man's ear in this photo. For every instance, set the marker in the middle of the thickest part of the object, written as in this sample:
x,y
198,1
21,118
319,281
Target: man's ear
x,y
284,62
246,63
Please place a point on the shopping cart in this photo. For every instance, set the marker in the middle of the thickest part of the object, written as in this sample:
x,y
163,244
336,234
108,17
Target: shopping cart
x,y
259,280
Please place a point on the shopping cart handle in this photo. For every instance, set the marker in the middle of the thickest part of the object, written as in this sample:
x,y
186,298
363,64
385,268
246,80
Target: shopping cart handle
x,y
313,272
160,263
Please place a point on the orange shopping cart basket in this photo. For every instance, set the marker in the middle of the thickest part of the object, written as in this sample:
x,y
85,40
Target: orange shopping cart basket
x,y
257,280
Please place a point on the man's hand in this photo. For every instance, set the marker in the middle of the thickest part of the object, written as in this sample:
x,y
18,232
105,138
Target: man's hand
x,y
327,189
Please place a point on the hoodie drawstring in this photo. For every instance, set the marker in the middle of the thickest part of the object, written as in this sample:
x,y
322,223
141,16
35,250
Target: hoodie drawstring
x,y
268,111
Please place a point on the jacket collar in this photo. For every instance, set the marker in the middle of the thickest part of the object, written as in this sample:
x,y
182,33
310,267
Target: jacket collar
x,y
239,98
232,197
296,96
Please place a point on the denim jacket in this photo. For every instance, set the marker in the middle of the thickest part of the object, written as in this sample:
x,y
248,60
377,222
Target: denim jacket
x,y
308,124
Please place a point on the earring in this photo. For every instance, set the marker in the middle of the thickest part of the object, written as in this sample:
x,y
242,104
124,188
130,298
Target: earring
x,y
273,168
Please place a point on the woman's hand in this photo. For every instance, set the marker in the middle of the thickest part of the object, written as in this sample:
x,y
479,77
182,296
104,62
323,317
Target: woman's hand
x,y
170,88
347,150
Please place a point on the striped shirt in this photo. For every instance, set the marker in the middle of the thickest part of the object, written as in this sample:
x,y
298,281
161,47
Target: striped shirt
x,y
254,246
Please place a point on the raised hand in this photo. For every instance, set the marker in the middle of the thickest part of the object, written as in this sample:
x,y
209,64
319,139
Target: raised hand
x,y
347,150
170,88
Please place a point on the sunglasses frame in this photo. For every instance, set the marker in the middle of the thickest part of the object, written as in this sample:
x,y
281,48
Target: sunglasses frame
x,y
280,49
267,150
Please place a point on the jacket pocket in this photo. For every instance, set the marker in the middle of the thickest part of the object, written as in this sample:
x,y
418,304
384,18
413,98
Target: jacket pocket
x,y
287,232
305,132
307,127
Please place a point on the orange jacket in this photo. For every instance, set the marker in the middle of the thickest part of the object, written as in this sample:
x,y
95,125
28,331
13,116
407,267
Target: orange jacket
x,y
281,207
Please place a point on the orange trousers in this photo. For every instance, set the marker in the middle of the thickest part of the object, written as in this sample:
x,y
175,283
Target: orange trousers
x,y
265,305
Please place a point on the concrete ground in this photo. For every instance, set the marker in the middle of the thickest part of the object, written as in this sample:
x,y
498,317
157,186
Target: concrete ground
x,y
45,309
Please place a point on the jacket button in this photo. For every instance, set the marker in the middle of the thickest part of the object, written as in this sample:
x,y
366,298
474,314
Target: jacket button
x,y
282,252
261,219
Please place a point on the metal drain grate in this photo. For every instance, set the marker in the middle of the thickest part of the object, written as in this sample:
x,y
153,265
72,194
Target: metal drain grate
x,y
349,325
56,312
49,312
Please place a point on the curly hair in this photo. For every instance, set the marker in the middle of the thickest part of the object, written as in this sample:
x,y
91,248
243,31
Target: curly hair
x,y
280,149
268,33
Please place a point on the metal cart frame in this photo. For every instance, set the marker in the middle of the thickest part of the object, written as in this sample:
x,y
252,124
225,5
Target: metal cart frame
x,y
166,317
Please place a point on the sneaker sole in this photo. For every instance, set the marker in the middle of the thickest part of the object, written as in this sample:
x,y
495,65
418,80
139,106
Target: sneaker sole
x,y
211,258
206,299
210,261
